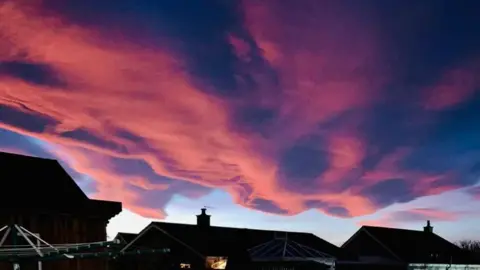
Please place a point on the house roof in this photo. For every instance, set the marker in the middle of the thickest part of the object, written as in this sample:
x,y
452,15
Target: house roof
x,y
43,175
126,237
415,246
49,188
216,241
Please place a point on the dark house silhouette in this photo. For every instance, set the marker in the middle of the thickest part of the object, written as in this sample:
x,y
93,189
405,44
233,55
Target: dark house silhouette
x,y
125,238
191,245
40,196
399,248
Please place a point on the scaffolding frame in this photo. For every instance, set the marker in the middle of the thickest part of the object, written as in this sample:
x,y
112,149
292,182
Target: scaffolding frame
x,y
284,249
45,251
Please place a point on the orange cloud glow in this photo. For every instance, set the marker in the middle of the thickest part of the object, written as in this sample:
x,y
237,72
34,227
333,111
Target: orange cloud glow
x,y
295,131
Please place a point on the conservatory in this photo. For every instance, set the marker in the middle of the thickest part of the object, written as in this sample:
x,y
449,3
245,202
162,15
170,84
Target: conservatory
x,y
422,266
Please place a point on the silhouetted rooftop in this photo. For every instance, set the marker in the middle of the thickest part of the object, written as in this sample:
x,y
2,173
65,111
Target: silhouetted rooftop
x,y
39,184
126,237
216,241
416,246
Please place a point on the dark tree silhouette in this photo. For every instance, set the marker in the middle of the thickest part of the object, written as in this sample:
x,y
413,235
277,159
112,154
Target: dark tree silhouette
x,y
470,245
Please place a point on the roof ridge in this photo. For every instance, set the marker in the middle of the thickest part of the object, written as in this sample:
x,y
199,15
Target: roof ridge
x,y
26,156
392,228
406,230
233,228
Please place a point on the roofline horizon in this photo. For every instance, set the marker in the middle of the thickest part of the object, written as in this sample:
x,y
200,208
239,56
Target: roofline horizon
x,y
27,156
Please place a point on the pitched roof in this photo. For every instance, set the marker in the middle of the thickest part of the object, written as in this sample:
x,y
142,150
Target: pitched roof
x,y
49,187
416,246
212,240
126,237
45,176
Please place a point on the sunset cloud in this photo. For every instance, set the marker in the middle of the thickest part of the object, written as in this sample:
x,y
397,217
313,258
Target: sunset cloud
x,y
286,106
397,218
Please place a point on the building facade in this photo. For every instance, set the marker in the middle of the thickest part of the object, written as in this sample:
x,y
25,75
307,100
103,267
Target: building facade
x,y
38,195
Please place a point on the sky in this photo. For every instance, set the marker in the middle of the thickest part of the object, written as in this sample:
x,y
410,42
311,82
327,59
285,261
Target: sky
x,y
311,115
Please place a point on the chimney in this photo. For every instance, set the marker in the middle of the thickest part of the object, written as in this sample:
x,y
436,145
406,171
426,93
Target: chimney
x,y
203,219
428,228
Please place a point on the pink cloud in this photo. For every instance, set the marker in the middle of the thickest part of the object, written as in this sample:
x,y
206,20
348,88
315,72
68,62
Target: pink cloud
x,y
323,75
110,98
455,87
413,215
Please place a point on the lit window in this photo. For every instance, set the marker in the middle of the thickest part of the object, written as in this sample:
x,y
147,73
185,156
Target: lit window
x,y
185,266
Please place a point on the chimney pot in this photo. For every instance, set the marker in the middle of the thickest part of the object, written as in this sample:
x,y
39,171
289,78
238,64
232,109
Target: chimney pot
x,y
428,228
203,219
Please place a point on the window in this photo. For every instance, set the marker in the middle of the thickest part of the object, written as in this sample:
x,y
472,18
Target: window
x,y
185,266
